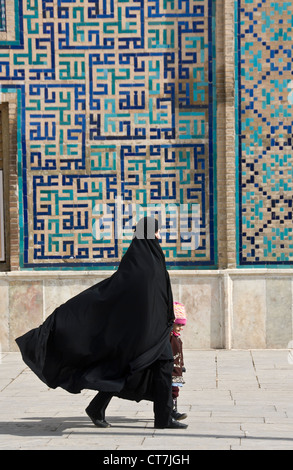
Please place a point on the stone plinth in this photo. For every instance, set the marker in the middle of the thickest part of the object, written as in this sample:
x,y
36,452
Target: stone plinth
x,y
239,309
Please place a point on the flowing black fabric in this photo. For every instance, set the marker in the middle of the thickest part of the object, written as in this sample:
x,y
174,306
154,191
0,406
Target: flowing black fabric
x,y
107,336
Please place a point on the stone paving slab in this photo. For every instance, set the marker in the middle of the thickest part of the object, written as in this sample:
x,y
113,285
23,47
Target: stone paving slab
x,y
235,400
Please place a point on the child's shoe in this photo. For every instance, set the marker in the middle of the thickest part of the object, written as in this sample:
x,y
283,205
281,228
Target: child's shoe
x,y
175,414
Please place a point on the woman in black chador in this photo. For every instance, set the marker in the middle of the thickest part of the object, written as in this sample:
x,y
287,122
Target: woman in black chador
x,y
115,336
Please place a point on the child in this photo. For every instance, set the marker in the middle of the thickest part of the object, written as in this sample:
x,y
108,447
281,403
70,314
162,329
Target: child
x,y
177,348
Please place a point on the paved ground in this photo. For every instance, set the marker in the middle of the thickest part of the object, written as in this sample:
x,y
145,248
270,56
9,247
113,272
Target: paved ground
x,y
236,400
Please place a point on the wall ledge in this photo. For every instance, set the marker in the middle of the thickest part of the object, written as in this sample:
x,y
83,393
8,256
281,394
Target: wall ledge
x,y
42,275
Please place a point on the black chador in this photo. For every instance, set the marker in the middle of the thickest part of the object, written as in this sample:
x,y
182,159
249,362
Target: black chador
x,y
114,336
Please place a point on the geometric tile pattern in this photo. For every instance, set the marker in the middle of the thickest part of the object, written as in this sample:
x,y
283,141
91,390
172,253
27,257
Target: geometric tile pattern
x,y
265,123
118,117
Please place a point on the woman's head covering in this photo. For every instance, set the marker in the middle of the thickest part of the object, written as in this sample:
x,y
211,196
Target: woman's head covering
x,y
146,227
180,314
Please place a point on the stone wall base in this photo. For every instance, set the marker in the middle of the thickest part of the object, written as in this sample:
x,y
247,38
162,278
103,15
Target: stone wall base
x,y
232,309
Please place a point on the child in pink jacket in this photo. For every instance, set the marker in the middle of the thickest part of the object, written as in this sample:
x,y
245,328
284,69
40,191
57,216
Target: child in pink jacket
x,y
177,348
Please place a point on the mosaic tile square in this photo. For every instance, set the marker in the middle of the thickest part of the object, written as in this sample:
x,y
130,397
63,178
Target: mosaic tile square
x,y
265,44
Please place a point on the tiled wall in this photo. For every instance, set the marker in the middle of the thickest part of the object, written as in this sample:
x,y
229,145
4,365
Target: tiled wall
x,y
144,103
116,114
119,107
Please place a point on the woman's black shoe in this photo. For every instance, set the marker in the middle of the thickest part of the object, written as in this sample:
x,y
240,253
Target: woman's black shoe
x,y
100,423
173,424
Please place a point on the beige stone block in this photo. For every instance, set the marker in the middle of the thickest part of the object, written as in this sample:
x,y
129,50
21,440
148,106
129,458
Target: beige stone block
x,y
4,316
279,313
25,308
249,313
175,284
201,300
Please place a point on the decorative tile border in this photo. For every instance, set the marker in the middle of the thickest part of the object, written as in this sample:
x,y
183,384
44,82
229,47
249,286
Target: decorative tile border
x,y
12,34
2,239
2,15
